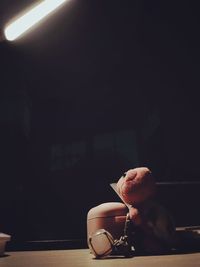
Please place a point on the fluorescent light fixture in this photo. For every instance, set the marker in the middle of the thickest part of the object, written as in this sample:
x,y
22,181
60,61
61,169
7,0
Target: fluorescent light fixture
x,y
22,24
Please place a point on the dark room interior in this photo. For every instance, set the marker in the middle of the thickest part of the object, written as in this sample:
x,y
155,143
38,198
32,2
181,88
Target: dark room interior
x,y
98,88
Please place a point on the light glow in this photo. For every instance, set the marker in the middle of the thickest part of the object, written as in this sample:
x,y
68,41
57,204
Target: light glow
x,y
22,24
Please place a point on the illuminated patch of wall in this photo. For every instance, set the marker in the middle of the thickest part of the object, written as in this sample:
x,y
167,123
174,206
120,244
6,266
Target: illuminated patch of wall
x,y
121,143
66,155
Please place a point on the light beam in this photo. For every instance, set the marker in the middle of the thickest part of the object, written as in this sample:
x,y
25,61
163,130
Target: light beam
x,y
25,22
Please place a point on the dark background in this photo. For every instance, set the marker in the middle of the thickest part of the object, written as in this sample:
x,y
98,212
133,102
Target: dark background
x,y
100,87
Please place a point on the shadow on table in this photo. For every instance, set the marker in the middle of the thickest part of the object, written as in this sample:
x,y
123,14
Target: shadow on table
x,y
4,255
187,240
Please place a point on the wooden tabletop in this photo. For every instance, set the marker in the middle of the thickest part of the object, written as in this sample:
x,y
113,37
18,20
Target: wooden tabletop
x,y
82,258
